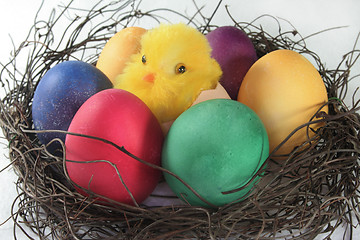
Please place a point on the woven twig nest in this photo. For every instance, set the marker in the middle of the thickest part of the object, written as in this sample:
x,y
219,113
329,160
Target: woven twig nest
x,y
313,191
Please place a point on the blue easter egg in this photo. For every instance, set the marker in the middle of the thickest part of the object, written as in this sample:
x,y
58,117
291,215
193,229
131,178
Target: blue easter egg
x,y
60,93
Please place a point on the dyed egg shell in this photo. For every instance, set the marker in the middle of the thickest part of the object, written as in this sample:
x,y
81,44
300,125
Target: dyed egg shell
x,y
162,196
217,93
60,93
215,146
122,118
235,53
285,90
117,51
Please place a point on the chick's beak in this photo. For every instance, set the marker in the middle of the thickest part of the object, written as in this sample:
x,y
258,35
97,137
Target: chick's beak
x,y
149,77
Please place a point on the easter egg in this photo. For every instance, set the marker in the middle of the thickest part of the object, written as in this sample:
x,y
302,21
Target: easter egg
x,y
60,93
217,93
285,90
97,166
117,51
235,53
215,146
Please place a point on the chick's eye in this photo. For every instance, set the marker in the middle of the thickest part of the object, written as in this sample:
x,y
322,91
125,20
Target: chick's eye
x,y
180,68
143,59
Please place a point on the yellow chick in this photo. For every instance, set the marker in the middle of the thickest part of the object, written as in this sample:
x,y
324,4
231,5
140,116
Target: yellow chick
x,y
172,68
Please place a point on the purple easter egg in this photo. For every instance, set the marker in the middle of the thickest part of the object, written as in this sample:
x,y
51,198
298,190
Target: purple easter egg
x,y
235,53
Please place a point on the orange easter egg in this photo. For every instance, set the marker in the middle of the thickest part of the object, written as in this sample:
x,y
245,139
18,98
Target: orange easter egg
x,y
117,51
286,91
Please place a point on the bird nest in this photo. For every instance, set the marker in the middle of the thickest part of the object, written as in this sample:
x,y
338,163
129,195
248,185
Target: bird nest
x,y
312,192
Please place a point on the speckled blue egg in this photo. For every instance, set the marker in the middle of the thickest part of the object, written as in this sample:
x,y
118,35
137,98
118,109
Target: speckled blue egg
x,y
60,93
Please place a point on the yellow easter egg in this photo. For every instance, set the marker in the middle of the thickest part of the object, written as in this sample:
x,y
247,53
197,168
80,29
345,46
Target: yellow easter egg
x,y
285,90
117,51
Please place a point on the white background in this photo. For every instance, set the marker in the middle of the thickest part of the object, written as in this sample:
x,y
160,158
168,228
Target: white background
x,y
307,16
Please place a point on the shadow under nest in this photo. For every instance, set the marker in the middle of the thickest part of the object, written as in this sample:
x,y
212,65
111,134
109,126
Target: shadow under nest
x,y
313,191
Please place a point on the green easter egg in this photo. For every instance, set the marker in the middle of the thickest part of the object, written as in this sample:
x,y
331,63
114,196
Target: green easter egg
x,y
215,146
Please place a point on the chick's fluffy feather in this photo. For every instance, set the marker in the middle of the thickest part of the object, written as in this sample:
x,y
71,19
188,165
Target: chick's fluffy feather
x,y
166,48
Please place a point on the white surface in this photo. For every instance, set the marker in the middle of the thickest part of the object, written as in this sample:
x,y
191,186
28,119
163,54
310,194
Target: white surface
x,y
307,16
